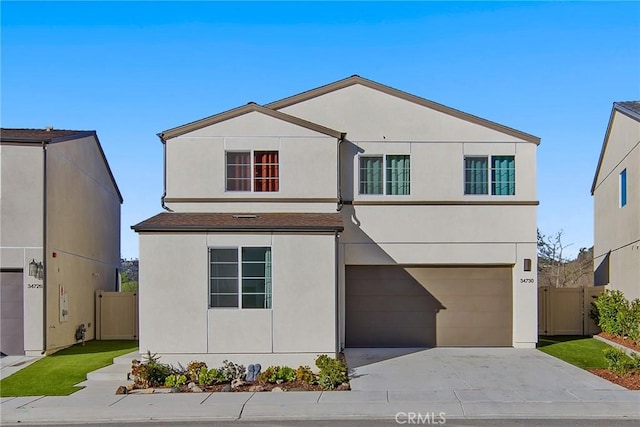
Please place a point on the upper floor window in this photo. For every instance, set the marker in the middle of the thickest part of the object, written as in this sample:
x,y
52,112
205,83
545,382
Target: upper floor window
x,y
623,188
390,174
257,171
502,171
240,277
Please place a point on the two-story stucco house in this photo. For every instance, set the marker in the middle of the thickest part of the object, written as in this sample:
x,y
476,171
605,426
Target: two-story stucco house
x,y
59,236
616,197
352,215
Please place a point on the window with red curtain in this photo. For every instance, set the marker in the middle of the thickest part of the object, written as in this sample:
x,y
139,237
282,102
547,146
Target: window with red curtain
x,y
266,173
238,171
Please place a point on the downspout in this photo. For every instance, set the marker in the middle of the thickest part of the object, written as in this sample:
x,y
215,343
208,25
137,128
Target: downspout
x,y
44,247
340,204
164,173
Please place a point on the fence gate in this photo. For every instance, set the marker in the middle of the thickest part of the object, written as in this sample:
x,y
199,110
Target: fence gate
x,y
116,315
565,311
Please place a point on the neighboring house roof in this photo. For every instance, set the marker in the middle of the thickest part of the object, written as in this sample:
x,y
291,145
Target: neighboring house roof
x,y
236,112
628,108
172,221
52,136
355,79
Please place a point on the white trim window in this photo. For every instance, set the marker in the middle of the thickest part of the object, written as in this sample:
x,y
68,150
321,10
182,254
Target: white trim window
x,y
240,277
390,175
256,171
500,177
623,188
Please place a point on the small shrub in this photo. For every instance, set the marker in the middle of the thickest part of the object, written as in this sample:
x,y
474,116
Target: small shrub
x,y
193,369
304,373
618,361
175,380
231,371
209,376
274,374
150,373
333,372
618,316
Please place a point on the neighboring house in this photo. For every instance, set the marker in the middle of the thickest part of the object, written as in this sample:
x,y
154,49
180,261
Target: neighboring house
x,y
59,236
616,196
351,215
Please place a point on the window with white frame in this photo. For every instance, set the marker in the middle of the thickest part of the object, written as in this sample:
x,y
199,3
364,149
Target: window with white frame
x,y
497,173
256,171
390,174
240,277
623,188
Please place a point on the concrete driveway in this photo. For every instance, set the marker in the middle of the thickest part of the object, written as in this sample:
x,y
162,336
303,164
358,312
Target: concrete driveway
x,y
474,374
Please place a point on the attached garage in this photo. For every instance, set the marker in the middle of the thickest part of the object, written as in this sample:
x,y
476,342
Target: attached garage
x,y
11,313
394,306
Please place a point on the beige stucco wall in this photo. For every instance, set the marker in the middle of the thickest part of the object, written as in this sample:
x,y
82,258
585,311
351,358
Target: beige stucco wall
x,y
195,165
83,230
21,228
174,301
369,115
617,229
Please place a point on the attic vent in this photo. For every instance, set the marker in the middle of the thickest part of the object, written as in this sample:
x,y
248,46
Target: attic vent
x,y
245,216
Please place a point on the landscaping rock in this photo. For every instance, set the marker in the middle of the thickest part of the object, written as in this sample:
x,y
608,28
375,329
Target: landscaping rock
x,y
226,388
191,385
121,390
276,389
256,388
196,389
343,387
236,383
147,391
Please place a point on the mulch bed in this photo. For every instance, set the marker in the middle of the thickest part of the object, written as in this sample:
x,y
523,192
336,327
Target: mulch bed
x,y
288,386
631,381
619,340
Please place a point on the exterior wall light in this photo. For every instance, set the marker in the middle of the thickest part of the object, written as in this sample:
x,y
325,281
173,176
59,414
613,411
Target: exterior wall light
x,y
36,269
527,264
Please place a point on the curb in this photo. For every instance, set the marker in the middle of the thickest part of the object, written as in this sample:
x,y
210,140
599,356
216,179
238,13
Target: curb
x,y
627,350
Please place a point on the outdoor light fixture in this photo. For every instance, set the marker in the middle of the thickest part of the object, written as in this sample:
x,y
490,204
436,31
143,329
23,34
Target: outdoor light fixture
x,y
527,264
36,269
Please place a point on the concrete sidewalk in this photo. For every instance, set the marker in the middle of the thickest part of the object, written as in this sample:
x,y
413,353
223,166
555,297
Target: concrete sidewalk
x,y
465,390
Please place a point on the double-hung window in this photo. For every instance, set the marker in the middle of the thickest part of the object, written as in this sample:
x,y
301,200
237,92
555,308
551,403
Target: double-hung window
x,y
240,277
256,171
390,174
497,173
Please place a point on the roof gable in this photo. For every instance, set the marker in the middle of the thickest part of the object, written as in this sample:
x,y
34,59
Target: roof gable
x,y
630,109
357,80
237,112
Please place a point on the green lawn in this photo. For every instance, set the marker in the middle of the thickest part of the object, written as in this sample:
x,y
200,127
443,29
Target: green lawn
x,y
585,353
56,375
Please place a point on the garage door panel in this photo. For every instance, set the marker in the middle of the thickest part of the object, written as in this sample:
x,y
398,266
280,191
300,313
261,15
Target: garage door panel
x,y
395,303
11,310
12,313
392,306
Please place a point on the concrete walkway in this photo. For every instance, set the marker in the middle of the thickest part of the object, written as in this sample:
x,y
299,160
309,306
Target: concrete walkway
x,y
12,364
460,383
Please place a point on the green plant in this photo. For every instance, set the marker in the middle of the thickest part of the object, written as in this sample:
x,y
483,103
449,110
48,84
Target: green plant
x,y
304,374
618,361
333,372
150,373
209,376
617,316
231,371
175,380
194,368
274,374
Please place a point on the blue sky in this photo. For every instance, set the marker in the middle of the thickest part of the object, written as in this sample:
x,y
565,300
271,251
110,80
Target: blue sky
x,y
130,70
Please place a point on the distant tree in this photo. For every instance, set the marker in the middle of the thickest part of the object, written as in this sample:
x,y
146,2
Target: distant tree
x,y
555,269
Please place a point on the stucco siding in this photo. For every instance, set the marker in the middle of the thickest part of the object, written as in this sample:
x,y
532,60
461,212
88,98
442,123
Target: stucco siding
x,y
370,115
21,197
83,231
174,302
